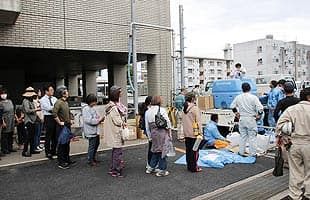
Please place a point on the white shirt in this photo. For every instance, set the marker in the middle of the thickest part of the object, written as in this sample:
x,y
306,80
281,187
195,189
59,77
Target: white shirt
x,y
248,105
150,117
46,106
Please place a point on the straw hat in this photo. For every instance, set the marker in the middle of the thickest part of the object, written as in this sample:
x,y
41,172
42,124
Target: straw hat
x,y
29,92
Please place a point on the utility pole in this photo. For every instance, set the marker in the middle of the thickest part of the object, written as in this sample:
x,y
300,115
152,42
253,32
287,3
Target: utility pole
x,y
182,45
134,56
295,61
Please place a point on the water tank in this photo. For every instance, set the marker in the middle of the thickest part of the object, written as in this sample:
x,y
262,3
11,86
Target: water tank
x,y
225,91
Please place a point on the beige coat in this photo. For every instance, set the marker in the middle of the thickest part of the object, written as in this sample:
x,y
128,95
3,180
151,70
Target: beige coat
x,y
188,119
112,126
299,115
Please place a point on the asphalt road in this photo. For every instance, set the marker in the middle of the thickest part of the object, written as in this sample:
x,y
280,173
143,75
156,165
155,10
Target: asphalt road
x,y
46,181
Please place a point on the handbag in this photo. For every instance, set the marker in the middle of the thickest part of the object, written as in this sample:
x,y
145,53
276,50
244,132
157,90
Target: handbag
x,y
196,130
125,134
278,168
160,121
171,151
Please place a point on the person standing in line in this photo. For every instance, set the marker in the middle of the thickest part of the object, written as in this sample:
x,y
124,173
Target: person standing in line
x,y
29,110
8,117
298,146
47,104
91,120
161,136
191,115
145,106
38,123
248,107
114,122
273,98
61,114
288,101
179,105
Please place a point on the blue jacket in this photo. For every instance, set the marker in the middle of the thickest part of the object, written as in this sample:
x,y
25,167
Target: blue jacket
x,y
274,96
65,135
211,133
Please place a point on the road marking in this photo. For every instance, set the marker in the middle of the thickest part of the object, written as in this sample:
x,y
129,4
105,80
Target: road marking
x,y
228,187
180,150
279,196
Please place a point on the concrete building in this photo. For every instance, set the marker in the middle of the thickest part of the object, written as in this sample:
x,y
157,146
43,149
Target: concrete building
x,y
267,56
200,70
58,41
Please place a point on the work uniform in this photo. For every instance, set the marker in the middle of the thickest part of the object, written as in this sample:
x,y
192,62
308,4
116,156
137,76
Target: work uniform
x,y
299,152
248,106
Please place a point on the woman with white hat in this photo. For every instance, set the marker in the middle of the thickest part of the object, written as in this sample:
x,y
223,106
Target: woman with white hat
x,y
30,110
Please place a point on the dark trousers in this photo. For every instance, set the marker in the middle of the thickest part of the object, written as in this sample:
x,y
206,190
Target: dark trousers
x,y
21,133
149,153
191,156
93,144
29,139
63,150
6,142
117,159
50,135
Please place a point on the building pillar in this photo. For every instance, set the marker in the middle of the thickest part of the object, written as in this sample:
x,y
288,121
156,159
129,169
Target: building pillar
x,y
73,86
60,82
120,79
90,82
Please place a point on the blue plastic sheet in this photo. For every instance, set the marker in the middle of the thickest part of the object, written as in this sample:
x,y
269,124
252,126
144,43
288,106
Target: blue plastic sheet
x,y
217,158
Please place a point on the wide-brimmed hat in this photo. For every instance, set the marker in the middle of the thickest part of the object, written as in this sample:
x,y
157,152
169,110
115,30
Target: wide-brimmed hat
x,y
29,92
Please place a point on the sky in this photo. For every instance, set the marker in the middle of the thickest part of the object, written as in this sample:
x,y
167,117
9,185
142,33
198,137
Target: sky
x,y
210,24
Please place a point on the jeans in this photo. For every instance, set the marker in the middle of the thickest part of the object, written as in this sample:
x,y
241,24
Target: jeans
x,y
158,160
37,136
248,132
271,120
93,144
149,153
50,135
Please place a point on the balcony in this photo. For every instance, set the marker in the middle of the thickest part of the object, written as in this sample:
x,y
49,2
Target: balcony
x,y
9,11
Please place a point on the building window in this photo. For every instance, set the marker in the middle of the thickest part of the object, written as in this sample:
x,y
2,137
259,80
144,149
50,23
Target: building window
x,y
276,72
212,71
219,78
219,71
289,72
219,64
190,62
212,78
260,61
211,63
304,73
190,71
201,82
259,49
201,74
259,73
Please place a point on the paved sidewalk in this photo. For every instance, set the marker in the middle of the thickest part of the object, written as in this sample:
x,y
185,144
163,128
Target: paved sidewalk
x,y
76,148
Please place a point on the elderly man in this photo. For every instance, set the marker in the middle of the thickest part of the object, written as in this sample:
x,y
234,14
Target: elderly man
x,y
298,144
248,107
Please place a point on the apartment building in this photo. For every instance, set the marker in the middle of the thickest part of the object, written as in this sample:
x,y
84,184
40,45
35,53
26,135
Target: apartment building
x,y
267,56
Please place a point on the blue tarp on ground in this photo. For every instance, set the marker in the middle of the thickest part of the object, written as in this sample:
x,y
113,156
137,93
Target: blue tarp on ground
x,y
217,158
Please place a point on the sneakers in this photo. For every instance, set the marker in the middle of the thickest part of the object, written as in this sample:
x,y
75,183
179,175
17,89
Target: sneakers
x,y
64,166
149,170
116,174
162,173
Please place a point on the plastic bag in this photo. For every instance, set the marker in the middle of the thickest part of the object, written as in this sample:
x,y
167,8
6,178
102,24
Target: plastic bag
x,y
278,168
171,151
65,135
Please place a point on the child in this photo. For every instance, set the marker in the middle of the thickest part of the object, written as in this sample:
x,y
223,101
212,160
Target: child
x,y
91,121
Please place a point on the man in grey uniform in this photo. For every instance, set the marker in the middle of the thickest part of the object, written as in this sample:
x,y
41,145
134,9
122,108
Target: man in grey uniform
x,y
248,107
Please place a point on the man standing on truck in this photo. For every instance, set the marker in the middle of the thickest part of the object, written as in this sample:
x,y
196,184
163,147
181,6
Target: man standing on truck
x,y
248,107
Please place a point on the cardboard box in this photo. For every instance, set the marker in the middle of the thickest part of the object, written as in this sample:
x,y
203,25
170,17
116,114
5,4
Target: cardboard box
x,y
205,102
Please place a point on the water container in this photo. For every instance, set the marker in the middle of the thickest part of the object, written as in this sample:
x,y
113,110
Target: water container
x,y
224,91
